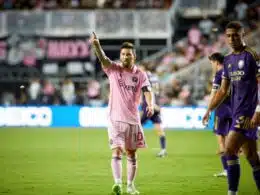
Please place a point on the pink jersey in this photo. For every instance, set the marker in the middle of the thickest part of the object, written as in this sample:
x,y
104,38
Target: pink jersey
x,y
125,92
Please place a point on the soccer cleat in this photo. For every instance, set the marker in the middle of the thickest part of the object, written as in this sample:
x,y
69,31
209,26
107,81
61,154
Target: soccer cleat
x,y
221,174
162,153
117,189
131,190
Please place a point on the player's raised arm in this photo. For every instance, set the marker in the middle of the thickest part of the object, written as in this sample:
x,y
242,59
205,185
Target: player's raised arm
x,y
105,61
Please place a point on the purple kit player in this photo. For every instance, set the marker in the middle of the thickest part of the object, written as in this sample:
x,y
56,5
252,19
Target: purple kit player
x,y
156,117
223,117
125,132
241,74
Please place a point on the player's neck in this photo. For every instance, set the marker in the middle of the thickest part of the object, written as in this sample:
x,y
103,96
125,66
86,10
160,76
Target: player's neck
x,y
130,67
219,67
238,50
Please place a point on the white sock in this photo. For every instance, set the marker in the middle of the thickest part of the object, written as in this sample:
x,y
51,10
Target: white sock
x,y
129,183
118,181
232,193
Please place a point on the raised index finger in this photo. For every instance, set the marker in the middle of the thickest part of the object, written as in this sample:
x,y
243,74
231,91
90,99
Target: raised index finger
x,y
95,36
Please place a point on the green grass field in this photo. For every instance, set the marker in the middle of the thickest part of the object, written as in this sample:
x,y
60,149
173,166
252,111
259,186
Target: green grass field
x,y
43,161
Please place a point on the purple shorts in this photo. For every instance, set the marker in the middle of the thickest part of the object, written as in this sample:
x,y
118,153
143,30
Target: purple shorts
x,y
222,125
156,118
241,124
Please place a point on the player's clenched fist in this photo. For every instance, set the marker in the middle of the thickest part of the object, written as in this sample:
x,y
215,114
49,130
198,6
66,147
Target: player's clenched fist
x,y
255,121
150,111
205,118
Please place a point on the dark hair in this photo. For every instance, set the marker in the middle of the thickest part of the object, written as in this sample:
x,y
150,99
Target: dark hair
x,y
217,57
128,45
235,25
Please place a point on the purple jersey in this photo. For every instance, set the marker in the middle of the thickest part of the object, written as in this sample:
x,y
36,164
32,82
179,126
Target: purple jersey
x,y
224,109
242,71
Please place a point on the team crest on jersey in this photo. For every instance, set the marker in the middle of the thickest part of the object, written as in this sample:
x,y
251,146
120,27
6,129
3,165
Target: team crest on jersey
x,y
229,65
241,64
134,79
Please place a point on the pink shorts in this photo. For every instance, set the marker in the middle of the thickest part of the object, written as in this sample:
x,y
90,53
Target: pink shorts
x,y
125,135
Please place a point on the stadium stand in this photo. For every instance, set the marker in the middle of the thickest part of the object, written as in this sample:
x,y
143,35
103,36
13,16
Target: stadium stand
x,y
44,46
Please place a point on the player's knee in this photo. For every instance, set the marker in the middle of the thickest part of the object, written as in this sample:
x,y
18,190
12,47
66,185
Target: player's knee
x,y
131,158
117,152
253,158
131,154
221,150
159,130
230,151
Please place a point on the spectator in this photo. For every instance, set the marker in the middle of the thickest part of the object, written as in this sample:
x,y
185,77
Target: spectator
x,y
68,91
194,36
240,10
7,99
34,91
94,93
50,4
206,26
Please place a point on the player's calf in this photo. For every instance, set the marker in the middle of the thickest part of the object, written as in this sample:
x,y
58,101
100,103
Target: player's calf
x,y
131,171
254,161
234,141
161,134
131,166
116,165
224,164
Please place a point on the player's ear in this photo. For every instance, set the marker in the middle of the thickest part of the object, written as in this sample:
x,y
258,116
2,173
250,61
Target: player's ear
x,y
134,52
243,33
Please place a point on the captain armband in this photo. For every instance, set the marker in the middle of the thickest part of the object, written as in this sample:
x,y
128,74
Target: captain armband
x,y
147,89
257,108
215,87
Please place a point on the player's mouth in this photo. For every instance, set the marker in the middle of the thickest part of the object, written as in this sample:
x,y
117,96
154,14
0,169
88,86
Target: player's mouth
x,y
233,44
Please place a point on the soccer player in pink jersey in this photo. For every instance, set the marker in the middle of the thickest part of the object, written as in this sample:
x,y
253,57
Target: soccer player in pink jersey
x,y
125,132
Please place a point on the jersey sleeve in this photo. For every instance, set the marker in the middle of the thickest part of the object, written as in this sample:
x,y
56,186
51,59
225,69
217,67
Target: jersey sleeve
x,y
216,82
145,80
253,61
225,74
113,67
256,63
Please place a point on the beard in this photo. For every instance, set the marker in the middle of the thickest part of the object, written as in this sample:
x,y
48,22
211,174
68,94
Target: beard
x,y
127,64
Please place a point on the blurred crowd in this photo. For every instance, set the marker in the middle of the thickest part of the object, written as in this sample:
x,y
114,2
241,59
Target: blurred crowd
x,y
202,39
45,92
82,4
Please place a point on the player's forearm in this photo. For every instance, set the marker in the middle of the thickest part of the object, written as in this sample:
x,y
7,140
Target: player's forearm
x,y
105,61
148,98
217,100
211,97
258,104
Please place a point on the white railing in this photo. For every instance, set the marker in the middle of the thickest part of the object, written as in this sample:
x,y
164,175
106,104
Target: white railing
x,y
107,23
198,8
